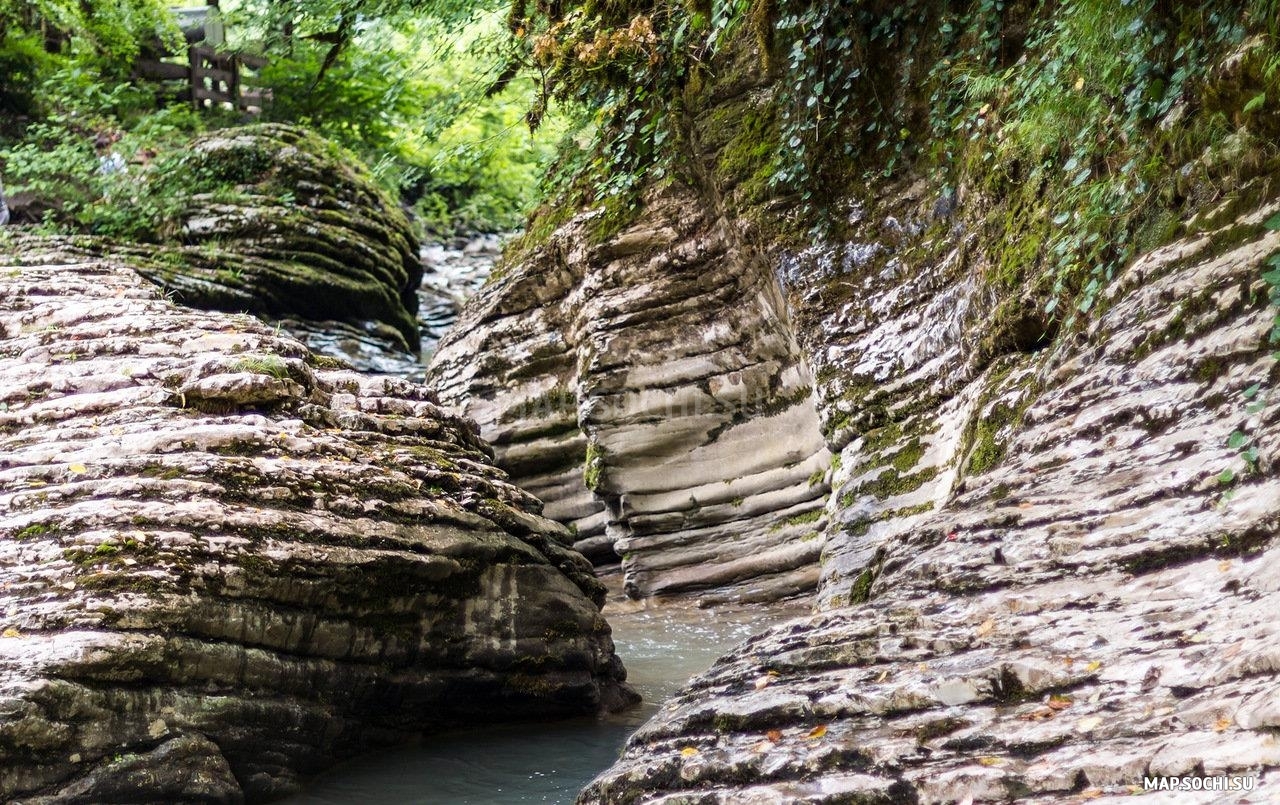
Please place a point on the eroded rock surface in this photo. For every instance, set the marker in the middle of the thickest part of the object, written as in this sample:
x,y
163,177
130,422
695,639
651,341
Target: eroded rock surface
x,y
282,223
225,563
650,391
1068,599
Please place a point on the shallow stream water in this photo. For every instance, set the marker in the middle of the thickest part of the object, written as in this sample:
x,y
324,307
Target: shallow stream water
x,y
662,648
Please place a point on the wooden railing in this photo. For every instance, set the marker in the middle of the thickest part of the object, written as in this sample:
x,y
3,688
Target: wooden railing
x,y
212,79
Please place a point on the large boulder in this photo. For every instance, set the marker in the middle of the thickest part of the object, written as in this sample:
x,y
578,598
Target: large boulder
x,y
278,221
226,563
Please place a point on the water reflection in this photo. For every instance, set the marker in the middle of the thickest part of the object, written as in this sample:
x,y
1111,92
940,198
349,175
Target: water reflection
x,y
661,647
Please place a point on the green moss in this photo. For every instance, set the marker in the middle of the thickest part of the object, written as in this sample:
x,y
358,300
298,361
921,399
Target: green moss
x,y
326,362
808,517
36,530
908,456
987,449
747,161
593,466
891,483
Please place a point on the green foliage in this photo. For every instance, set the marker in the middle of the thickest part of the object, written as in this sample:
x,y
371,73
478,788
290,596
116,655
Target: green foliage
x,y
404,89
629,63
409,97
88,158
109,32
1272,278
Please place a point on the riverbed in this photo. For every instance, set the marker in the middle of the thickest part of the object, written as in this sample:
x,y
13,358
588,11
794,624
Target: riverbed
x,y
662,646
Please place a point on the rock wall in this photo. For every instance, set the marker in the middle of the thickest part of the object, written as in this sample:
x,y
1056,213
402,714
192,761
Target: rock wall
x,y
226,563
1057,594
649,389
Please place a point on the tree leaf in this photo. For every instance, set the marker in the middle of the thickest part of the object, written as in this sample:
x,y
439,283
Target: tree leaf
x,y
1237,440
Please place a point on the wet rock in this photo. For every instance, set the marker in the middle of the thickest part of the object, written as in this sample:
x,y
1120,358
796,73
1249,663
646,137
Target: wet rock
x,y
649,390
225,563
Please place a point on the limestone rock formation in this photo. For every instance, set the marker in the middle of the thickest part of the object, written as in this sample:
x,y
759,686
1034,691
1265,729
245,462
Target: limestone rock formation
x,y
225,562
282,223
1057,591
648,388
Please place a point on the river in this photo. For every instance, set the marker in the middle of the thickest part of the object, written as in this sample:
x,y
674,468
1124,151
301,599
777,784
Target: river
x,y
662,647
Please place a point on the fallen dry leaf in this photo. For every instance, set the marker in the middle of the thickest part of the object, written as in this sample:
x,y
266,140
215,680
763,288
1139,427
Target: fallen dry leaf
x,y
986,627
689,751
1222,724
11,632
883,675
1093,666
77,468
774,735
989,761
1059,702
817,732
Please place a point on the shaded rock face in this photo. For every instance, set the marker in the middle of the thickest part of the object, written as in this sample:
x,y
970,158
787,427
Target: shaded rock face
x,y
283,223
1064,599
225,564
650,391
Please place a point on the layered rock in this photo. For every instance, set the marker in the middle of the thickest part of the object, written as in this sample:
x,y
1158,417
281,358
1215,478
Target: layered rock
x,y
281,223
1059,591
648,388
226,562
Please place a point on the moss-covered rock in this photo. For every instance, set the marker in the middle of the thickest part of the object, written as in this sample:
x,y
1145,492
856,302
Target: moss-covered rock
x,y
281,222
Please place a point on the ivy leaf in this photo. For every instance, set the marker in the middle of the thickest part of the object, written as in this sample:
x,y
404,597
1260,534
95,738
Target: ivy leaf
x,y
1273,223
1256,102
1237,440
1252,391
1226,476
1250,455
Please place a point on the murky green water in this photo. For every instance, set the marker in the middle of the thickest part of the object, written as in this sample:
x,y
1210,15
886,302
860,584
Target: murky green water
x,y
662,648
